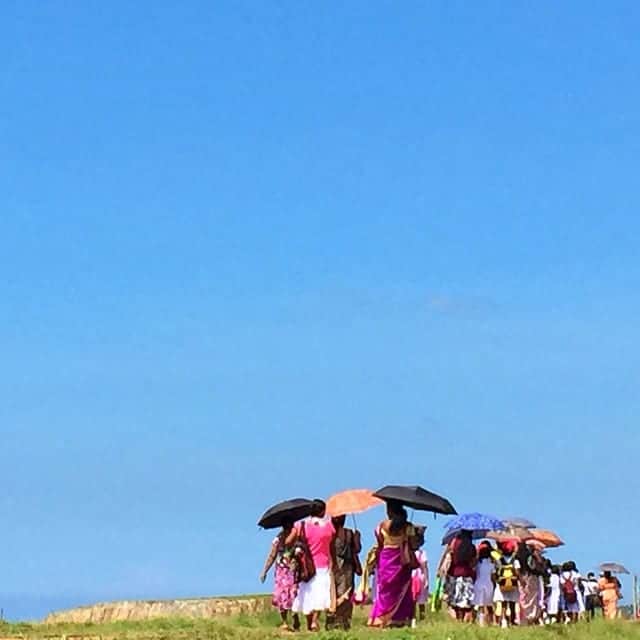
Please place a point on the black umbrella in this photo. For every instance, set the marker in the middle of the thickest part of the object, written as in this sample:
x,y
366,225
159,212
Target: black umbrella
x,y
289,510
417,498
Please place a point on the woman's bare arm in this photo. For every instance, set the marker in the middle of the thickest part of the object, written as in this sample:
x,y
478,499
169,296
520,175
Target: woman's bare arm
x,y
291,538
271,558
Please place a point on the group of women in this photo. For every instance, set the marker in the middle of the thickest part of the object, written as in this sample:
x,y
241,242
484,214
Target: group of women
x,y
317,564
397,562
513,583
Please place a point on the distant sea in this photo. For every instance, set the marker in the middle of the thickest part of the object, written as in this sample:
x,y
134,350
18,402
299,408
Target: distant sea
x,y
17,608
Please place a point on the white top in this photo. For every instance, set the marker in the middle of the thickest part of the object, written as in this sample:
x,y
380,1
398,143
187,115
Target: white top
x,y
422,571
484,571
554,585
590,587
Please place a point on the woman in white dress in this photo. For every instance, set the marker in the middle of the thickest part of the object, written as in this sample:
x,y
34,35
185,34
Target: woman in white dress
x,y
553,599
315,596
484,586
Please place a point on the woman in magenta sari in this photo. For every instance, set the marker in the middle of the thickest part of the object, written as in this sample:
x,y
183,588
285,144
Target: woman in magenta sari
x,y
394,605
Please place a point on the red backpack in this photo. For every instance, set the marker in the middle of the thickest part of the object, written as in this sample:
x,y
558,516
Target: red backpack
x,y
569,590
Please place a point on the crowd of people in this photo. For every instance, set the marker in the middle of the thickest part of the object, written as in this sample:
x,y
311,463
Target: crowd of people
x,y
512,583
318,571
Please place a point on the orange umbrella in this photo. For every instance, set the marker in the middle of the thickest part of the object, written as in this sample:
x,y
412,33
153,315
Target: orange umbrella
x,y
547,538
536,544
351,501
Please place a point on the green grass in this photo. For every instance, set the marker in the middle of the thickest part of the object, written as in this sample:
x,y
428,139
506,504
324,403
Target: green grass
x,y
264,627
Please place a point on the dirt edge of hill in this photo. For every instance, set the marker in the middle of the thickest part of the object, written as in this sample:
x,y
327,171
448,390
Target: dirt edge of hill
x,y
134,610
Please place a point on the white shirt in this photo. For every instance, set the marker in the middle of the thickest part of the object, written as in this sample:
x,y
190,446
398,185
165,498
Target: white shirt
x,y
484,571
590,587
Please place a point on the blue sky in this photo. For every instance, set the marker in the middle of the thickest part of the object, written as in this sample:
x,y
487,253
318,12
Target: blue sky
x,y
258,250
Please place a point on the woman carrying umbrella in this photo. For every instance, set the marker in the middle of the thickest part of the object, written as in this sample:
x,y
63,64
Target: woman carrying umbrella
x,y
394,605
315,596
285,588
282,553
347,545
609,587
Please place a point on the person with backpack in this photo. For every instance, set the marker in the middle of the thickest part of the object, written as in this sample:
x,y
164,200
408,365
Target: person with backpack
x,y
507,593
395,560
347,547
314,595
461,577
282,556
570,586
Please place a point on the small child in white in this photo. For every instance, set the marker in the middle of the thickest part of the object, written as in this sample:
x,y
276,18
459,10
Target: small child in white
x,y
483,588
553,597
420,576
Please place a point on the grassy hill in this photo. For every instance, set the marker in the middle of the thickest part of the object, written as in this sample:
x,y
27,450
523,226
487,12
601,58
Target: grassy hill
x,y
263,627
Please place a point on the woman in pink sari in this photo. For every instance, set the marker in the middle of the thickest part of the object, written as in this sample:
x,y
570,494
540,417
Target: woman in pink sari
x,y
394,604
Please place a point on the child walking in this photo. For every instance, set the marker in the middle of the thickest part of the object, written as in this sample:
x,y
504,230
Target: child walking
x,y
483,587
553,596
420,577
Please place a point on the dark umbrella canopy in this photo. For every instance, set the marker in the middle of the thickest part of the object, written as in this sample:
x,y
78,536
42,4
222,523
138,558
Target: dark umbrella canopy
x,y
289,510
523,523
417,498
614,567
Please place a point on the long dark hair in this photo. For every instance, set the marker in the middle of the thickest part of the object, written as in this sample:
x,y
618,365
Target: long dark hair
x,y
398,517
318,508
465,550
523,554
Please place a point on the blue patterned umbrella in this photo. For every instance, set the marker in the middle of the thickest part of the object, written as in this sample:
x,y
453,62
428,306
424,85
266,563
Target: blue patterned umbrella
x,y
478,523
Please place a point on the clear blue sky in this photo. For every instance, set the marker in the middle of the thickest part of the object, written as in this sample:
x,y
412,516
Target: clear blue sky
x,y
252,250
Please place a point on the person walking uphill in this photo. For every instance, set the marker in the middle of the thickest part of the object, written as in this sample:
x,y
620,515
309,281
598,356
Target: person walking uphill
x,y
462,573
396,540
314,597
591,596
609,587
347,566
532,568
483,587
420,576
570,584
507,595
285,586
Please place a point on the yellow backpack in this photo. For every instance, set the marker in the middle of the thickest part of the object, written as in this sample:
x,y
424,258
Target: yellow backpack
x,y
507,577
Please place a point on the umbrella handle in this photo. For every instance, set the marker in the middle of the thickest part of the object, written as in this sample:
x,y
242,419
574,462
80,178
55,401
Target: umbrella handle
x,y
355,524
